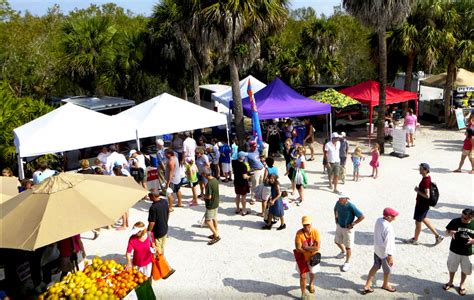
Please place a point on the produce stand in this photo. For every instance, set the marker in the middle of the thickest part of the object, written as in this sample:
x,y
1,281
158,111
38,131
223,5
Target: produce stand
x,y
102,280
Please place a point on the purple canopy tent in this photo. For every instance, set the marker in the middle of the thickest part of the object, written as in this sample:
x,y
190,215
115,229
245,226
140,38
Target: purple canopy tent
x,y
277,100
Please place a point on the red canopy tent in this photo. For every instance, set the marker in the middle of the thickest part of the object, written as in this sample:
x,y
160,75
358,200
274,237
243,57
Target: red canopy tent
x,y
368,93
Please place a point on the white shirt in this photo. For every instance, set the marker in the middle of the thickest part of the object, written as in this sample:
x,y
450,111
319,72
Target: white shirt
x,y
141,161
333,152
384,238
115,157
103,157
189,148
299,161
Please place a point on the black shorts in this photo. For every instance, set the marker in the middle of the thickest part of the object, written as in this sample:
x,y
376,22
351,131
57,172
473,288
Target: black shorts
x,y
298,186
420,212
242,190
175,187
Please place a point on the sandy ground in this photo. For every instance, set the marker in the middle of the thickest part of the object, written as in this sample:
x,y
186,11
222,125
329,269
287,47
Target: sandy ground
x,y
251,263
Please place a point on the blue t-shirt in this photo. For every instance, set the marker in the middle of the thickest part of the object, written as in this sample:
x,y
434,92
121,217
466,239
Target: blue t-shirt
x,y
225,151
235,151
254,160
272,171
346,213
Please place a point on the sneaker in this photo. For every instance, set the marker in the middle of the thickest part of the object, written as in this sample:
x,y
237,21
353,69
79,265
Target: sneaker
x,y
282,227
412,241
345,267
438,240
341,255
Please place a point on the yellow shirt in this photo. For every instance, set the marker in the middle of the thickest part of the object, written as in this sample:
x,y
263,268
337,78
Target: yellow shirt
x,y
310,240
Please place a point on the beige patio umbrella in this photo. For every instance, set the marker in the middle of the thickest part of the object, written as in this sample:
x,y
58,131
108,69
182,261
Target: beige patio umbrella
x,y
63,206
8,188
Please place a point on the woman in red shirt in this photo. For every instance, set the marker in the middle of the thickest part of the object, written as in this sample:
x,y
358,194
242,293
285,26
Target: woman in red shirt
x,y
142,248
467,151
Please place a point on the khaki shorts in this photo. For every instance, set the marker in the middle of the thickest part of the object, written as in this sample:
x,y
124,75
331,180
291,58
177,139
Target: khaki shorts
x,y
334,169
468,153
454,260
160,244
344,236
210,214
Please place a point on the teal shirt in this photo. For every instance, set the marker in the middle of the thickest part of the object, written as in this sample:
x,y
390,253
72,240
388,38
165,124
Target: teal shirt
x,y
346,213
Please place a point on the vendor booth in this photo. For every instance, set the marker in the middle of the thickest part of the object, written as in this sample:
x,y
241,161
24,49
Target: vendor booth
x,y
368,93
166,114
277,100
68,127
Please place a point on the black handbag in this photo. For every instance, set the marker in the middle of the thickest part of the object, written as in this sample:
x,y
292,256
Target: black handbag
x,y
315,260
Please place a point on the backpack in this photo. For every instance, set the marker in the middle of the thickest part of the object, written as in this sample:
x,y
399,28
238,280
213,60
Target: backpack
x,y
434,194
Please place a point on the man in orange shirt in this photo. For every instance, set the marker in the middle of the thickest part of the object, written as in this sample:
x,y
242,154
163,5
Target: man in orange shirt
x,y
307,244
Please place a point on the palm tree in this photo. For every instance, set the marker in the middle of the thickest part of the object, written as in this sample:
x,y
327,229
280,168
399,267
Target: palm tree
x,y
453,22
237,27
179,25
88,50
320,42
380,15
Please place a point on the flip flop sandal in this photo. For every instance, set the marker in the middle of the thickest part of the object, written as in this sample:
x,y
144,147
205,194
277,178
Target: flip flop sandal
x,y
237,211
213,241
244,213
260,215
462,291
367,291
457,171
211,237
390,289
312,289
447,286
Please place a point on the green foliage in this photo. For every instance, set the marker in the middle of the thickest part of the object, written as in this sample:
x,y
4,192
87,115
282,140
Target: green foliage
x,y
15,112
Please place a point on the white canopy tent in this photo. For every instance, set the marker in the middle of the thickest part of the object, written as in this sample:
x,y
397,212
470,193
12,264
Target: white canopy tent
x,y
67,128
224,97
166,114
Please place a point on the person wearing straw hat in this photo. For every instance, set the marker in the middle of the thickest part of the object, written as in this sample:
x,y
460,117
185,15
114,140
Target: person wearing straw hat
x,y
384,249
307,244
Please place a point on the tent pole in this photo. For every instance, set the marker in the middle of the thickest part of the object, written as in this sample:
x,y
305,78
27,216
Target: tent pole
x,y
227,131
21,170
138,140
330,124
370,123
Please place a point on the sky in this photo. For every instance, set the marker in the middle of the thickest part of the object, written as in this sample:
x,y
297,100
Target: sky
x,y
144,7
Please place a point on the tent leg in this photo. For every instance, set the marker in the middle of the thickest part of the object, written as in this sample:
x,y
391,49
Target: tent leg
x,y
370,125
330,124
21,170
227,131
138,140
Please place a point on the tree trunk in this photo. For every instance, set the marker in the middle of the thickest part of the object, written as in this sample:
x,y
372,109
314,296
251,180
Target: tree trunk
x,y
197,95
238,111
383,83
448,89
183,93
408,78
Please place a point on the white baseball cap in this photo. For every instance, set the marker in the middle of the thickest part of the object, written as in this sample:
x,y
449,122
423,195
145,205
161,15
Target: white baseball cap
x,y
343,134
335,135
160,142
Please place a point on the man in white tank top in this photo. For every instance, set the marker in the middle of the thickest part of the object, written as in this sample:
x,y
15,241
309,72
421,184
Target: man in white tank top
x,y
173,179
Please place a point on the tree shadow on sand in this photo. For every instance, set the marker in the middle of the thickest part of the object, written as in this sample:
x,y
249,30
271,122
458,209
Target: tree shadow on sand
x,y
267,289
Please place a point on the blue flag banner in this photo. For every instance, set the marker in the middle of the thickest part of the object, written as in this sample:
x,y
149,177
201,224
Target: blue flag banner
x,y
256,129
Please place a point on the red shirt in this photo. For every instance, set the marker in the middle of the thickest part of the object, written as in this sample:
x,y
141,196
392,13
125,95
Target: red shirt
x,y
67,246
424,185
467,144
141,251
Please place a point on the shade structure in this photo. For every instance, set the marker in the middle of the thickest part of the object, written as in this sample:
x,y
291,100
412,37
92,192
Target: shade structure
x,y
67,128
277,100
166,114
334,98
225,96
63,206
368,93
8,188
464,78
